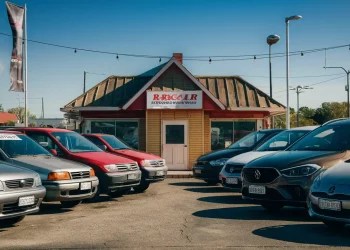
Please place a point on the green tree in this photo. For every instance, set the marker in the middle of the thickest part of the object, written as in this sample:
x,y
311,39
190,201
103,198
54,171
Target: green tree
x,y
10,123
19,111
1,108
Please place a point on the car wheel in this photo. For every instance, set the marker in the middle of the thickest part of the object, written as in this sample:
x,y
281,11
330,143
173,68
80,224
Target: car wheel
x,y
70,204
119,192
12,221
211,183
334,224
143,186
272,207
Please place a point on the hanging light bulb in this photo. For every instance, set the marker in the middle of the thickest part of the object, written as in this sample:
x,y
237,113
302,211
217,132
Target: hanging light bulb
x,y
160,59
117,57
209,60
75,51
302,54
254,57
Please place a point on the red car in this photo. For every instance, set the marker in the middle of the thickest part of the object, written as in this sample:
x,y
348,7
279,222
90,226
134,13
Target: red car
x,y
116,174
153,167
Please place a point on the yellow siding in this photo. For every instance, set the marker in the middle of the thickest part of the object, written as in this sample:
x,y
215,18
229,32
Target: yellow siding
x,y
207,133
195,130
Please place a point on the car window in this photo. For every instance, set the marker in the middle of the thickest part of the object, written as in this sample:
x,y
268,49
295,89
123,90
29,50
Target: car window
x,y
75,142
44,140
114,142
282,140
95,140
326,138
21,145
249,141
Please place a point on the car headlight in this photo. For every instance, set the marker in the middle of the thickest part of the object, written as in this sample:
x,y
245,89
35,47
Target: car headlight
x,y
219,162
1,186
300,171
146,163
37,181
317,182
58,176
111,168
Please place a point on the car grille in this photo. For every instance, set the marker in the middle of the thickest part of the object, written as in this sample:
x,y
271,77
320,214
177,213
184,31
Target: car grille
x,y
14,208
157,163
201,163
332,197
334,214
267,175
21,183
128,167
80,175
236,168
296,191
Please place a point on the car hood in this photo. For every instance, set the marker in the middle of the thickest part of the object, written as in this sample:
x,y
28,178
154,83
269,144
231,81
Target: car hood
x,y
223,153
249,156
286,159
46,164
11,172
337,175
103,158
136,155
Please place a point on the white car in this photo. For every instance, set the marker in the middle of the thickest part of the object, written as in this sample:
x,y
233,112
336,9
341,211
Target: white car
x,y
230,175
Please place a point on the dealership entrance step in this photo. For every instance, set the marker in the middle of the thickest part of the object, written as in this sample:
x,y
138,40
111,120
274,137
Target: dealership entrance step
x,y
179,174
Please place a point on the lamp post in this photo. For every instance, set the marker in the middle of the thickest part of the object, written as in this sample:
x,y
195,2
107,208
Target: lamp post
x,y
346,87
271,39
298,90
291,18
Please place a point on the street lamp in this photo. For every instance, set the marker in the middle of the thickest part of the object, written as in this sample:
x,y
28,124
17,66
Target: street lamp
x,y
298,90
291,18
271,39
347,84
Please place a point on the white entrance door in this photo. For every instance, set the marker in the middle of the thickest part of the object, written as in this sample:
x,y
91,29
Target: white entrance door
x,y
175,144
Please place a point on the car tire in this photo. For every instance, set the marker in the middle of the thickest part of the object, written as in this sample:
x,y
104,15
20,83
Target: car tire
x,y
211,183
119,192
142,187
70,204
272,207
334,224
12,221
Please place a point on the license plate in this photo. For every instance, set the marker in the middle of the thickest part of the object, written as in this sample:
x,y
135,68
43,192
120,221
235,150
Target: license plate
x,y
26,201
132,176
159,173
231,180
257,190
329,204
198,171
85,185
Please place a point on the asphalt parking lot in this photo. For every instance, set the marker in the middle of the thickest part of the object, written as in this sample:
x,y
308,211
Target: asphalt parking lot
x,y
174,214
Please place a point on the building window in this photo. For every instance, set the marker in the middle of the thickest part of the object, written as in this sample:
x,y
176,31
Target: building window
x,y
224,133
127,131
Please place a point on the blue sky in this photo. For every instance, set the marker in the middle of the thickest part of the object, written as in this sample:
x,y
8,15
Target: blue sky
x,y
162,27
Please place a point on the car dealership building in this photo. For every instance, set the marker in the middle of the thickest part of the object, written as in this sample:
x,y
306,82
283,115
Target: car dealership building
x,y
169,112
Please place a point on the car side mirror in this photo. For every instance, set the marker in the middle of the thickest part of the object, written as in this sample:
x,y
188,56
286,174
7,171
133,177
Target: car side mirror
x,y
44,144
103,147
54,152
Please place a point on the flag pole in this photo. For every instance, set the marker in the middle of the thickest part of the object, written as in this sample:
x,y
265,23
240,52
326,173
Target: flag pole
x,y
25,70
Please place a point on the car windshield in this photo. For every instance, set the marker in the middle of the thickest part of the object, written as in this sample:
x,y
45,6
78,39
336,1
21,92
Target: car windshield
x,y
15,145
75,143
282,140
326,138
114,142
249,141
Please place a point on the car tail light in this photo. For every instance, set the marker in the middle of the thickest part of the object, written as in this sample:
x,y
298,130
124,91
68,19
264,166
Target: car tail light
x,y
56,176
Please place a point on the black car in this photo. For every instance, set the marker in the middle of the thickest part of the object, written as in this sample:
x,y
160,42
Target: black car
x,y
284,178
208,166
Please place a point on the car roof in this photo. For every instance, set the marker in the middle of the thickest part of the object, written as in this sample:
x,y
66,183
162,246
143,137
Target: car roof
x,y
341,121
9,132
94,134
272,130
41,129
308,128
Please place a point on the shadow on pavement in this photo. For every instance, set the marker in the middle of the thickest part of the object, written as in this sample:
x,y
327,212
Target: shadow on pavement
x,y
228,199
51,208
255,213
306,234
189,184
208,190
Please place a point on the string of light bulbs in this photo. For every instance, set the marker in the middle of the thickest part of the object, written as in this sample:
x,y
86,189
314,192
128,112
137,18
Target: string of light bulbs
x,y
188,58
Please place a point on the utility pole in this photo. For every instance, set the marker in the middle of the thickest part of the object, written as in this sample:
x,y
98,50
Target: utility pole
x,y
42,108
84,82
346,87
85,72
298,91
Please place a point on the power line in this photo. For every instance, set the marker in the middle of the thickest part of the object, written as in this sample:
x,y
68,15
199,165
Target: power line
x,y
293,76
190,58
